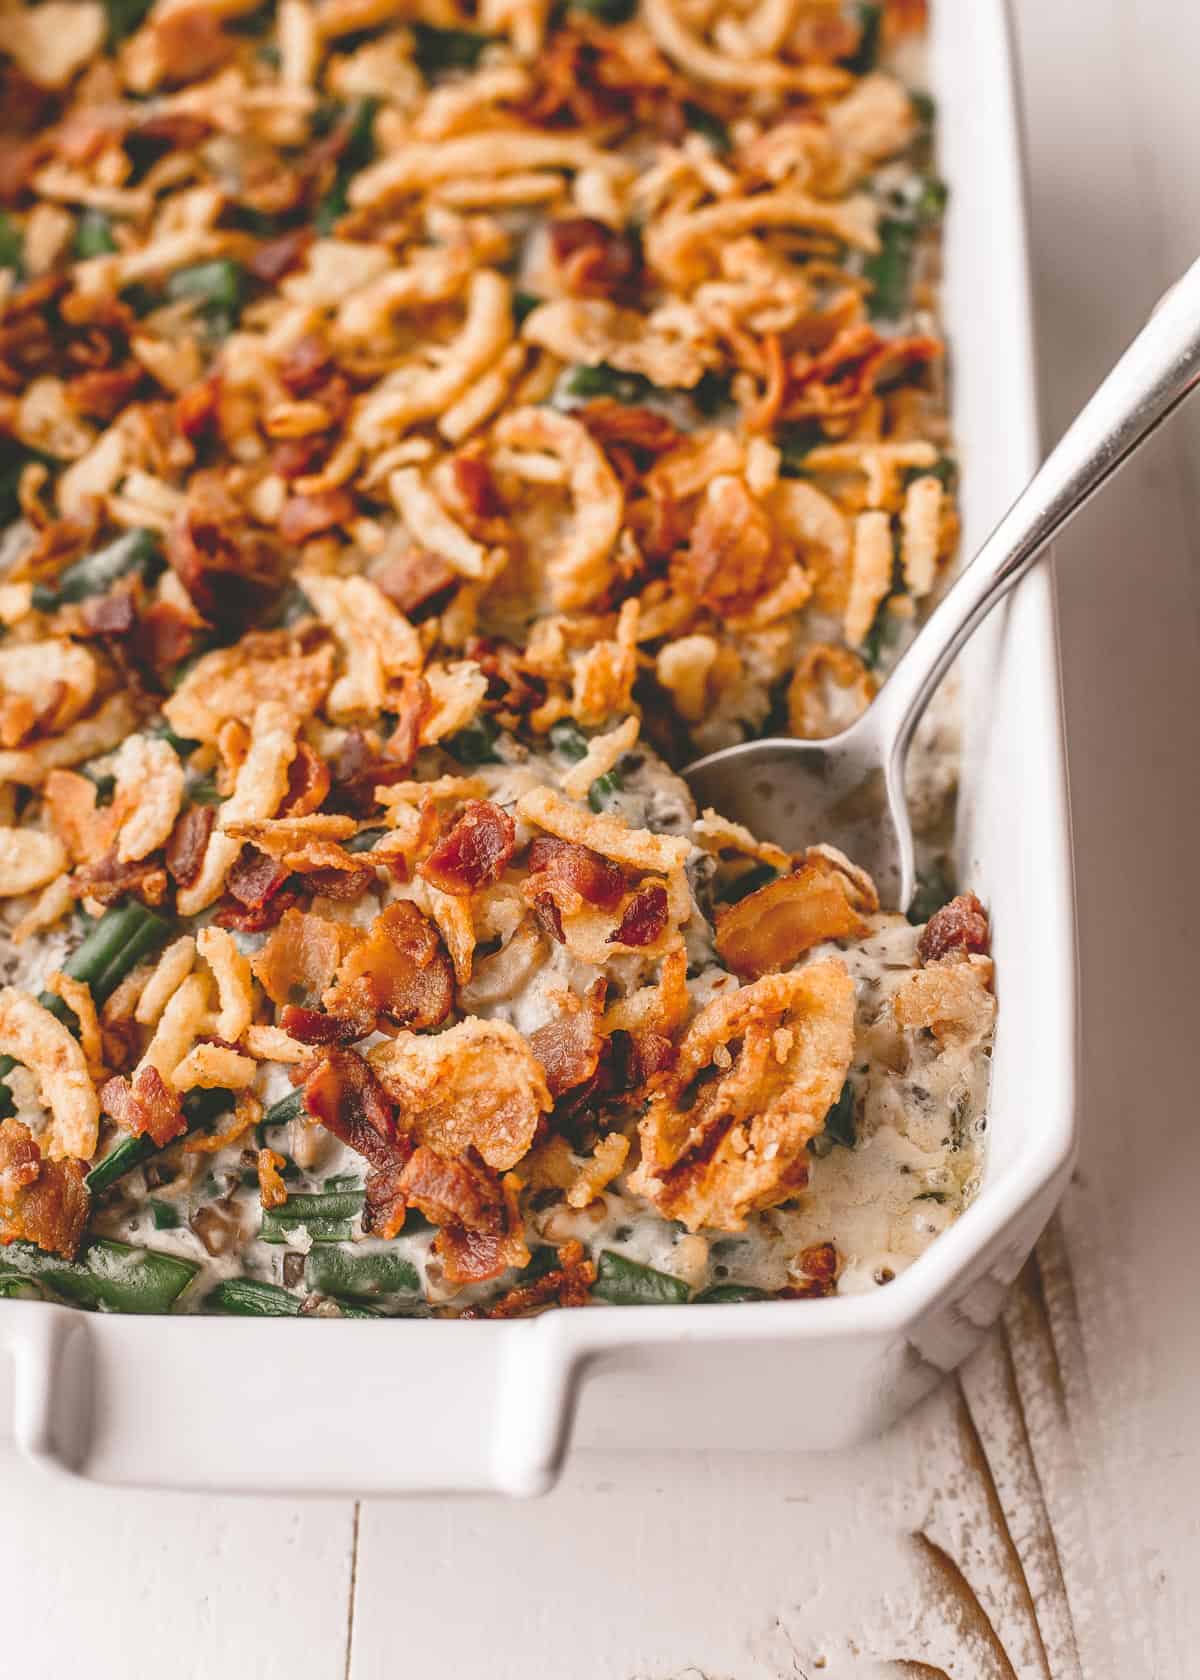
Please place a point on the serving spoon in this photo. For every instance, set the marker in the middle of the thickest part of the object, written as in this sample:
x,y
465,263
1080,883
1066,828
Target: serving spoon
x,y
849,788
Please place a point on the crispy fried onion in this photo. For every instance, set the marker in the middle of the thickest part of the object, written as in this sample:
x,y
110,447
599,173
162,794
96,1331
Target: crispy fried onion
x,y
29,859
41,1202
258,791
288,668
758,1071
478,1085
951,997
635,848
378,643
770,928
682,248
34,1037
578,567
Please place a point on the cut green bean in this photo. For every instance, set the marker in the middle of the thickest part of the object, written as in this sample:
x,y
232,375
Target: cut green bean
x,y
355,155
605,381
437,50
866,53
328,1218
365,841
365,1276
722,1292
606,11
604,790
200,1108
627,1283
889,270
219,287
134,551
708,126
93,235
12,244
287,1108
476,744
250,1298
935,887
20,1289
568,739
109,1276
840,1121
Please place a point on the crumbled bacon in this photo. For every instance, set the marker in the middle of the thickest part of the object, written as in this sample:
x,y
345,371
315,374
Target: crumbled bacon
x,y
258,918
644,918
169,131
189,842
41,1202
510,683
453,1192
108,880
227,567
477,1256
343,1093
113,614
343,884
254,878
293,457
841,379
301,957
650,1053
166,633
401,970
631,437
417,582
145,1108
569,1049
384,1206
103,392
568,1285
595,260
961,925
358,769
307,516
475,851
475,484
306,366
308,783
276,257
194,410
598,880
310,1026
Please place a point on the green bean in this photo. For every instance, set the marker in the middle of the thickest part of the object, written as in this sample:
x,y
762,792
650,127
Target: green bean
x,y
365,841
108,1276
761,875
722,1292
603,790
796,442
840,1121
287,1108
356,154
627,1283
20,1289
136,550
604,381
12,244
218,286
166,1215
524,304
326,1217
124,16
866,53
203,790
447,49
708,126
935,887
606,11
889,270
200,1107
338,1271
93,235
568,739
178,743
249,1298
476,744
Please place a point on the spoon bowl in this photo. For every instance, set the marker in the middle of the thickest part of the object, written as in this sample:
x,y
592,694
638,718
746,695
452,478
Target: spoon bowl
x,y
849,789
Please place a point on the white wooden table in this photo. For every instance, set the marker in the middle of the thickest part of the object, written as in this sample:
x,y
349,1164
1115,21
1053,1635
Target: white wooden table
x,y
1039,1518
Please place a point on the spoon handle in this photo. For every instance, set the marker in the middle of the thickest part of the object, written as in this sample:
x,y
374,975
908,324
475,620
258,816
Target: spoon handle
x,y
1158,370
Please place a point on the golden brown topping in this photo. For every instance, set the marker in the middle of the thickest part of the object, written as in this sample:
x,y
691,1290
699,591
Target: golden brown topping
x,y
41,1202
400,970
568,1049
566,1285
773,926
951,997
38,1040
597,880
301,957
343,1093
272,1191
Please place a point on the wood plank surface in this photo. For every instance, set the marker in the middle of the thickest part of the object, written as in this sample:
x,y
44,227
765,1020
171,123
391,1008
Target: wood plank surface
x,y
1038,1518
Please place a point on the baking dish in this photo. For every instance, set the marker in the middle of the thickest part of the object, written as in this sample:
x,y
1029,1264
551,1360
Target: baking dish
x,y
478,1406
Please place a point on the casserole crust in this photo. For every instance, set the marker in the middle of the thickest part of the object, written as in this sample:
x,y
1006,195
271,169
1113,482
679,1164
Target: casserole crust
x,y
422,427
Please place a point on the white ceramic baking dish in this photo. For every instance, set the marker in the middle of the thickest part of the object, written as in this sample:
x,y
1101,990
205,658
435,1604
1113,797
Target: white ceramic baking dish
x,y
349,1406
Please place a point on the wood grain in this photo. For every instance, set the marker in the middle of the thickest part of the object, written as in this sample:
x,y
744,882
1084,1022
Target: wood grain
x,y
1037,1518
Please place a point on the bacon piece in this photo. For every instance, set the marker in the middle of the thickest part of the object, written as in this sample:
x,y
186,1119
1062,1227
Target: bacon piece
x,y
254,878
41,1202
475,484
358,769
453,1192
194,410
166,633
631,437
567,1285
229,569
401,970
598,880
343,1093
308,783
384,1206
732,558
416,582
276,257
301,957
145,1108
103,392
961,925
644,917
595,260
475,851
310,1026
842,378
307,516
293,457
189,842
257,919
569,1049
108,880
171,131
306,366
343,884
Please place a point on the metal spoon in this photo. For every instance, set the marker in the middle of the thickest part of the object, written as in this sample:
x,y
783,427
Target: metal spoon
x,y
849,789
